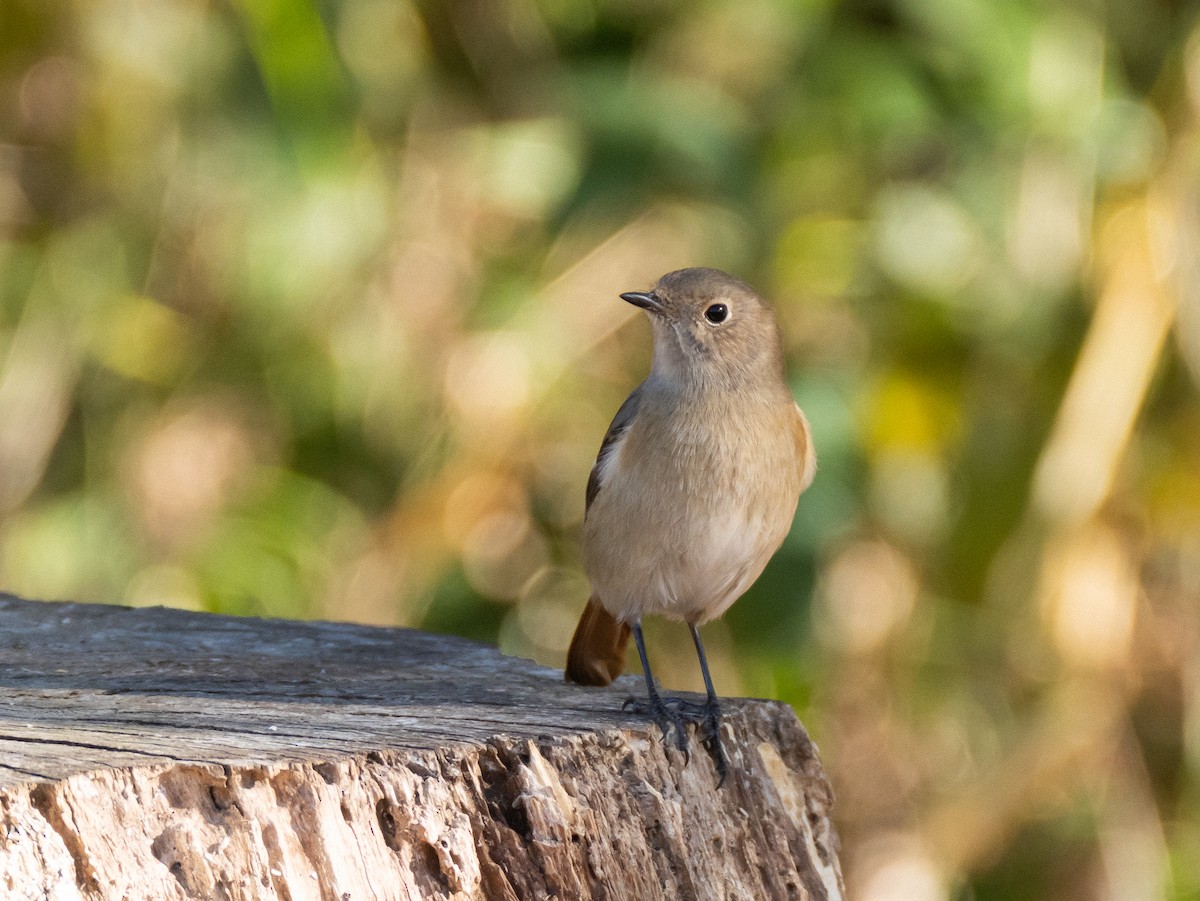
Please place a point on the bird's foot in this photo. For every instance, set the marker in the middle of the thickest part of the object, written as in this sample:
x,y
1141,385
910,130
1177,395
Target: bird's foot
x,y
673,713
664,714
708,715
712,741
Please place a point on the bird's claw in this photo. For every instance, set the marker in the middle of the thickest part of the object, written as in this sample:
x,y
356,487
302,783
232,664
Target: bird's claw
x,y
671,715
713,743
665,717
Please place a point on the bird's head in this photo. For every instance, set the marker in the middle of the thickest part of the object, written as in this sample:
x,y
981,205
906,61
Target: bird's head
x,y
710,328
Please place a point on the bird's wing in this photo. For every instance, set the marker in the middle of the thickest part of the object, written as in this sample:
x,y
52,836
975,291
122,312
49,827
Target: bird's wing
x,y
620,425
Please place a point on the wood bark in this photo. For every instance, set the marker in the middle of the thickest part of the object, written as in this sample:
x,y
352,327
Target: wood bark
x,y
160,754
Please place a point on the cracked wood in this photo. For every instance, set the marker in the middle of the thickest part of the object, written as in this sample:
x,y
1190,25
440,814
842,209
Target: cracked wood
x,y
161,754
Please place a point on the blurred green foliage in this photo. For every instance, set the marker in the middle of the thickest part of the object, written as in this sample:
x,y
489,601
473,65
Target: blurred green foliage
x,y
310,310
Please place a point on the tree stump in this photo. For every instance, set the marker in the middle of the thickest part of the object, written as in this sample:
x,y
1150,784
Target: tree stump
x,y
161,754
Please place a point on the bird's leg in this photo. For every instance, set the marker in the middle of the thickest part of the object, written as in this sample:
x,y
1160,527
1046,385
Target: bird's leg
x,y
712,713
667,718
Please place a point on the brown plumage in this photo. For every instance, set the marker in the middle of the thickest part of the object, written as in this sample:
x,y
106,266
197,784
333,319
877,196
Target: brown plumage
x,y
697,480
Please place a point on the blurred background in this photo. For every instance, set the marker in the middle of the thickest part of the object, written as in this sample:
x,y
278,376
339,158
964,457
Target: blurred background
x,y
310,310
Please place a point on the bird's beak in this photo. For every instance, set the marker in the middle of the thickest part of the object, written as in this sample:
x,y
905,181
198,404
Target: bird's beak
x,y
647,300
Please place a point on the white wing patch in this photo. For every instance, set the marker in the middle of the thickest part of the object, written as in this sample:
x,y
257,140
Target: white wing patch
x,y
610,461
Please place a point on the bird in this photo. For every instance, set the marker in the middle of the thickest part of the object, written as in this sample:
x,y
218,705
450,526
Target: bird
x,y
694,488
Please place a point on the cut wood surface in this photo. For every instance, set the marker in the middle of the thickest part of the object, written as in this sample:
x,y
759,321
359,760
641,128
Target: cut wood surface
x,y
161,754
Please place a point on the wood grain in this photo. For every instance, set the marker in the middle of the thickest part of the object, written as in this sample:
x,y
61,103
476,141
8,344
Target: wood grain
x,y
160,754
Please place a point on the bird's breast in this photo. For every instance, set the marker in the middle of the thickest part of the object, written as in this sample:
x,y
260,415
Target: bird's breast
x,y
692,504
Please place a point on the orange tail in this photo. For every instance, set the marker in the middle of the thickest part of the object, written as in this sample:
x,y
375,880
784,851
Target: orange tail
x,y
597,654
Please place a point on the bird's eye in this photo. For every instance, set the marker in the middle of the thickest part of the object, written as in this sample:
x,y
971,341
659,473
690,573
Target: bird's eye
x,y
717,313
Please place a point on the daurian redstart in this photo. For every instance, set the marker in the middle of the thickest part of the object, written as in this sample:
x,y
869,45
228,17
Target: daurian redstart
x,y
695,485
